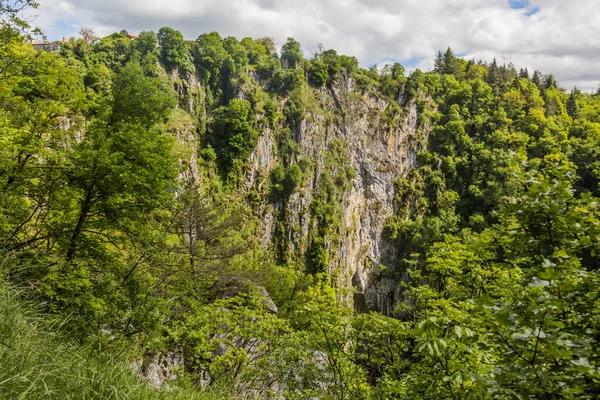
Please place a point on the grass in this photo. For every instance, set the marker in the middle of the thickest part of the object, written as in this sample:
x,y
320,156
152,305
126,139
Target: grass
x,y
38,362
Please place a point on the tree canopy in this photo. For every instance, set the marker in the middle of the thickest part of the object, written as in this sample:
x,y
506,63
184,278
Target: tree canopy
x,y
194,198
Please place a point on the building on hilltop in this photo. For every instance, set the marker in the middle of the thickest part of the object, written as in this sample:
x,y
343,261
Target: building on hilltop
x,y
49,47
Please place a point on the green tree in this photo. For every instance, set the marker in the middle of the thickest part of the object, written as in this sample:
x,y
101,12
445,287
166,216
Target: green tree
x,y
234,137
214,64
543,332
537,78
147,43
318,73
451,64
397,71
291,54
237,52
438,65
550,82
16,28
38,91
122,167
572,108
174,51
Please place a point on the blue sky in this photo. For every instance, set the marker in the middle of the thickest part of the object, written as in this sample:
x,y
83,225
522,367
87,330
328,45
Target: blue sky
x,y
529,10
554,36
518,4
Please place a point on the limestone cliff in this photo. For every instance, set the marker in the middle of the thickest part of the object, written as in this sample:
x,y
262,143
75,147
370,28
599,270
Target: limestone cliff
x,y
379,141
352,145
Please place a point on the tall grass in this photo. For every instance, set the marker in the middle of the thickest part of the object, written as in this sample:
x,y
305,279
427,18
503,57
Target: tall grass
x,y
38,362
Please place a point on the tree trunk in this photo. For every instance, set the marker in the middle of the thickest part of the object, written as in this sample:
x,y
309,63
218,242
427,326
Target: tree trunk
x,y
85,209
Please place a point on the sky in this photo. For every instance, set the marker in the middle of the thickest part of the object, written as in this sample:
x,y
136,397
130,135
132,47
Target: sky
x,y
561,37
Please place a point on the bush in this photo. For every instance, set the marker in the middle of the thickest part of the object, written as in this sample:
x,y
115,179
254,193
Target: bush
x,y
235,137
285,181
318,74
37,362
317,258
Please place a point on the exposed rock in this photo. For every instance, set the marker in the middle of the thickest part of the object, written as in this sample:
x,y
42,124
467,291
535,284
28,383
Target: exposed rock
x,y
263,158
230,287
380,153
158,368
191,97
382,145
269,303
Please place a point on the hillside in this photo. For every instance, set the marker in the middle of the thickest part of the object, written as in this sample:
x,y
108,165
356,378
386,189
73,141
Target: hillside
x,y
256,224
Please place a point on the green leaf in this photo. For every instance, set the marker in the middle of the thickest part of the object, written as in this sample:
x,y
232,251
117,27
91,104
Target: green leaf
x,y
537,282
582,362
458,331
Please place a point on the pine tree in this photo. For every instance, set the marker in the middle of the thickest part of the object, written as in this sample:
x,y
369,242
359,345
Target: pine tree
x,y
572,108
493,72
550,82
537,80
451,64
524,73
439,63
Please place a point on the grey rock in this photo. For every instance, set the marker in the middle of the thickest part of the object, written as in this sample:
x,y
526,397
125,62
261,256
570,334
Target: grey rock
x,y
158,368
230,287
380,154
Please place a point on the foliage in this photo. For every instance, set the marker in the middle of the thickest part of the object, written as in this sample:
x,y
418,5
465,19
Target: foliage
x,y
285,180
213,62
15,27
291,54
235,137
107,219
37,361
174,52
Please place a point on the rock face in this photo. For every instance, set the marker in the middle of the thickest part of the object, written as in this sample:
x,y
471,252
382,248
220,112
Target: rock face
x,y
230,287
159,368
382,146
381,140
186,125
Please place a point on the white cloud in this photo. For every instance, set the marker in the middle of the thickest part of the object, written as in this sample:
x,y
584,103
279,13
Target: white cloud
x,y
562,38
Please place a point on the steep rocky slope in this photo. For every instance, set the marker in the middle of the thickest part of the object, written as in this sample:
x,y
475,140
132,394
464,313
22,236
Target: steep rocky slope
x,y
352,145
379,153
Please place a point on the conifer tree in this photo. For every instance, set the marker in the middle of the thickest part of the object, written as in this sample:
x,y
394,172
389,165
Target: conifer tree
x,y
550,82
572,108
536,79
439,63
524,73
451,65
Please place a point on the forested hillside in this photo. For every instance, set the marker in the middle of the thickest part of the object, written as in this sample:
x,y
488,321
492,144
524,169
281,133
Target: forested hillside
x,y
240,222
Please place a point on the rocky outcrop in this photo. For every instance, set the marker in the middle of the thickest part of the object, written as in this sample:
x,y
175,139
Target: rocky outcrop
x,y
159,368
232,286
188,121
381,148
381,141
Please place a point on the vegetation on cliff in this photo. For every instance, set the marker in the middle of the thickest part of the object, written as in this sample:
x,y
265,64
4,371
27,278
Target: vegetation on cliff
x,y
129,214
